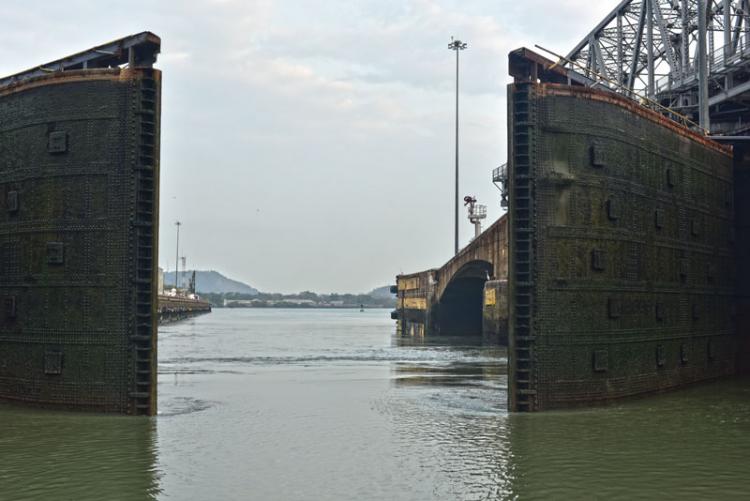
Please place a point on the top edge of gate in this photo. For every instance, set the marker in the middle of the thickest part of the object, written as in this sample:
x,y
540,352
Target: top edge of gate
x,y
551,78
65,77
554,89
137,51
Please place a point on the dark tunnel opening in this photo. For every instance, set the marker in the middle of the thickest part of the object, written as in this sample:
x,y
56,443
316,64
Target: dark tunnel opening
x,y
460,307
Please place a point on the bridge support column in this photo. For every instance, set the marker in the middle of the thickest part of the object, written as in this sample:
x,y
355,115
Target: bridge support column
x,y
495,312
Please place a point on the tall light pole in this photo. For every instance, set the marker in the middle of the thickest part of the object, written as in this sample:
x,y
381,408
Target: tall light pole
x,y
177,254
458,46
184,264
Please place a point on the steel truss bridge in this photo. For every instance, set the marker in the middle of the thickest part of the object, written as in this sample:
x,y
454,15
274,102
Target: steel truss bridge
x,y
691,56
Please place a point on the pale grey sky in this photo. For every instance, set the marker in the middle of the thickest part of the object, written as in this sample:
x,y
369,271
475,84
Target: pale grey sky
x,y
309,144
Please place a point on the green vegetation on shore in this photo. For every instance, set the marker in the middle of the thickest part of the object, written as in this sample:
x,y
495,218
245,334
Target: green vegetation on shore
x,y
304,299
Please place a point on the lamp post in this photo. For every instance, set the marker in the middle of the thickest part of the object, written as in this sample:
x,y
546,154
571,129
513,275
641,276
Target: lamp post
x,y
177,254
456,45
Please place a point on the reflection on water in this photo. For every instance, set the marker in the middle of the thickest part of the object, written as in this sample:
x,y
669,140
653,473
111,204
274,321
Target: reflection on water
x,y
451,419
473,362
69,456
327,404
689,444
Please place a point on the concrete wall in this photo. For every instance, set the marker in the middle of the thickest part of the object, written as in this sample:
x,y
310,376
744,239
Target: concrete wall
x,y
621,252
495,312
414,302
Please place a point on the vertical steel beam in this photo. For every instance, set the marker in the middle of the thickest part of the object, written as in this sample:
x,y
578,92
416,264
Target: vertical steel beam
x,y
685,40
741,12
728,49
710,34
650,46
600,67
664,33
637,46
619,48
702,67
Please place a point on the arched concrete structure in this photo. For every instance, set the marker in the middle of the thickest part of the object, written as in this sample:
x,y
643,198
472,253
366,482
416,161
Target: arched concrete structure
x,y
459,309
449,300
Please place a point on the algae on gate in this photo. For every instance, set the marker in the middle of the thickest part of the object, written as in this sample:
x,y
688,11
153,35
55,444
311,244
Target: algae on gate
x,y
621,255
79,158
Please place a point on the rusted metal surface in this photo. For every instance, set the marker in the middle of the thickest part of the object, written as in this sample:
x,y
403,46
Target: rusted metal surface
x,y
634,108
138,50
621,250
528,66
79,180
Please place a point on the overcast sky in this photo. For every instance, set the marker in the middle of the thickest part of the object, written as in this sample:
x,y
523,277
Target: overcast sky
x,y
309,144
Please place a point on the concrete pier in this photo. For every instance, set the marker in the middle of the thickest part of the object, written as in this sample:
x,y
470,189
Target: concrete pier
x,y
172,309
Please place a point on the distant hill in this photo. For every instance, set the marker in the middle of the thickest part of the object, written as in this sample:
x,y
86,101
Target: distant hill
x,y
382,292
211,282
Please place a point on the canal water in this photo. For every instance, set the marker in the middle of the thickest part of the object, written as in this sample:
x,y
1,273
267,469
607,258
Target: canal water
x,y
329,405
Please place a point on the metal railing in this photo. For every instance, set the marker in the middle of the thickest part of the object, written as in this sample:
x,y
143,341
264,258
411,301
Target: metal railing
x,y
500,180
718,62
479,212
500,174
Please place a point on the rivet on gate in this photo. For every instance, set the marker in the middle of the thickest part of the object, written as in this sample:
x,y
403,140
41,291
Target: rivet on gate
x,y
614,309
659,218
601,360
10,307
57,142
55,253
660,358
598,155
670,177
11,201
659,311
613,209
53,362
598,260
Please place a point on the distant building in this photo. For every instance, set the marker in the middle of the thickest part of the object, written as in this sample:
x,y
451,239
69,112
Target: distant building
x,y
299,302
240,303
160,281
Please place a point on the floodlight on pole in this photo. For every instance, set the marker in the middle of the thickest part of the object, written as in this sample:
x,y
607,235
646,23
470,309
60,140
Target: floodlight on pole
x,y
458,46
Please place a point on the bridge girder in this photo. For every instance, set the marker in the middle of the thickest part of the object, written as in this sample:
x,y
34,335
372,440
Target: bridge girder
x,y
651,47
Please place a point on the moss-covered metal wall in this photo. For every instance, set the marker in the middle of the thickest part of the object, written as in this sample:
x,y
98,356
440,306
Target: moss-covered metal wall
x,y
621,250
79,163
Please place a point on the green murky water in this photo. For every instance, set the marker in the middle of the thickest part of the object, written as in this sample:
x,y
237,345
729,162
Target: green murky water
x,y
323,404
